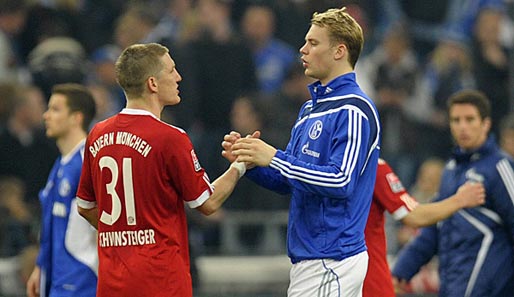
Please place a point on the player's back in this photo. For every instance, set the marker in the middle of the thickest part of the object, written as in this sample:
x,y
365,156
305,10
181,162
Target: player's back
x,y
135,163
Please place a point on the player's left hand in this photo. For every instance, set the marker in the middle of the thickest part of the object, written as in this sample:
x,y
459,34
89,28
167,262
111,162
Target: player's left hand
x,y
253,150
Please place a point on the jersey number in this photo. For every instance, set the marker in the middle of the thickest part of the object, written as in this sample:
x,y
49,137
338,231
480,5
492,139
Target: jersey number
x,y
128,187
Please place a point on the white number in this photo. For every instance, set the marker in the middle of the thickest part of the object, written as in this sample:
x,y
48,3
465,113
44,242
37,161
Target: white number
x,y
128,187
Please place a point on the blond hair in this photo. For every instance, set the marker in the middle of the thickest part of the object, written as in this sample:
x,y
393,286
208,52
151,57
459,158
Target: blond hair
x,y
342,28
136,64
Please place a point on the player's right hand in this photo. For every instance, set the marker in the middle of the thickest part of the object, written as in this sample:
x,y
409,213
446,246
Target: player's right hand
x,y
33,283
471,194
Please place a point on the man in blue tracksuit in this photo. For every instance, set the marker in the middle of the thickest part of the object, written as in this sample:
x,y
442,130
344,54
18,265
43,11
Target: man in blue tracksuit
x,y
328,167
67,262
475,245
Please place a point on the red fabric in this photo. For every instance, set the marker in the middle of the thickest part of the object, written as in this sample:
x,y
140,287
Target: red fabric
x,y
155,163
387,195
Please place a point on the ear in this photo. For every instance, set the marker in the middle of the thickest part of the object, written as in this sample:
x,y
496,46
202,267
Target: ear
x,y
341,51
151,83
487,124
78,118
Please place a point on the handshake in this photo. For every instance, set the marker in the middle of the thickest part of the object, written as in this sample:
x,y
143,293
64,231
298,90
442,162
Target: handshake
x,y
246,153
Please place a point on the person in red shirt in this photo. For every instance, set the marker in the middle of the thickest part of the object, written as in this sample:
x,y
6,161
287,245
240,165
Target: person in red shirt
x,y
137,175
390,195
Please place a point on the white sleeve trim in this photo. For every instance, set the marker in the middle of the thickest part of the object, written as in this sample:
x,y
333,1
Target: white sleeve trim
x,y
200,200
85,204
401,213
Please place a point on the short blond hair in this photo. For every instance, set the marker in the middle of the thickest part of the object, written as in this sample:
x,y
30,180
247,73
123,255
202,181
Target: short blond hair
x,y
342,28
136,64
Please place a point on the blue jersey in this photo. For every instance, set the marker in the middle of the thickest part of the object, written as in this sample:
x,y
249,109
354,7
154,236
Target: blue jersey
x,y
68,257
329,168
475,245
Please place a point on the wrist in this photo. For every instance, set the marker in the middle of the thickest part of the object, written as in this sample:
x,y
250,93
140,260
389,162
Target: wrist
x,y
240,167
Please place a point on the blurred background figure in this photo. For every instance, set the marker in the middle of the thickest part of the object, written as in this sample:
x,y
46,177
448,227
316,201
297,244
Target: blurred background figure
x,y
222,69
389,76
491,59
55,60
507,134
26,153
103,75
13,14
448,69
272,57
15,234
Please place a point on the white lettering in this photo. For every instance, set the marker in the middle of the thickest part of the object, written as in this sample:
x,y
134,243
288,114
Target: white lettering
x,y
126,238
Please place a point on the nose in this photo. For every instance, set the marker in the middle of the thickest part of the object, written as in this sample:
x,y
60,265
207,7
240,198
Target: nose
x,y
303,49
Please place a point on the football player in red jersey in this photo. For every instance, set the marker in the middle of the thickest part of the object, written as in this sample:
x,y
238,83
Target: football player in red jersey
x,y
138,173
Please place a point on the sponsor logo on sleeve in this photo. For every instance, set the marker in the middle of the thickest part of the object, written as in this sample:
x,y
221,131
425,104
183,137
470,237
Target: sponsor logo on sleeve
x,y
394,183
196,163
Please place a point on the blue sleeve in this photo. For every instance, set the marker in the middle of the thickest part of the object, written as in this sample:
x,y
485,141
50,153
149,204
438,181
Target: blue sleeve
x,y
416,254
269,179
502,195
349,149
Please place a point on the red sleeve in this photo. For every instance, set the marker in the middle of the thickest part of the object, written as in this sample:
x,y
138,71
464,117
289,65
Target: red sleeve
x,y
190,178
85,192
390,192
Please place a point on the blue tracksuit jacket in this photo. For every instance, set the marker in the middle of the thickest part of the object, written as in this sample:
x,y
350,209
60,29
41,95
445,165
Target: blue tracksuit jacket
x,y
475,246
67,255
329,167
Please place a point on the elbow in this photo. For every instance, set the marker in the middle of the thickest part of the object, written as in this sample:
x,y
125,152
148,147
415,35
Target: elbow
x,y
208,208
82,212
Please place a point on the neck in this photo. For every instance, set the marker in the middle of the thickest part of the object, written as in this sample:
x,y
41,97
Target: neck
x,y
144,104
67,143
335,74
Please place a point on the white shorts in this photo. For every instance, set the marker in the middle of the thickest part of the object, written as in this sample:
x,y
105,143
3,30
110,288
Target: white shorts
x,y
328,278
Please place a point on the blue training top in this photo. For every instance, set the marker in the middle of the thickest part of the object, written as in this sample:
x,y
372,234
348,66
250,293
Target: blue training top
x,y
329,167
68,257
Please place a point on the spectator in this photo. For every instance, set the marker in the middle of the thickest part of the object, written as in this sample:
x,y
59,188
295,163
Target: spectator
x,y
272,57
507,134
13,14
26,152
218,38
15,224
389,74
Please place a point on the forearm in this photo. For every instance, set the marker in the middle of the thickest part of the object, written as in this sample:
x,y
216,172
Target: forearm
x,y
431,213
223,187
91,215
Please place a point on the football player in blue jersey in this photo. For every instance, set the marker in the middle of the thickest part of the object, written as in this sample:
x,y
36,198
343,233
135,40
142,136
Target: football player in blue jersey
x,y
68,260
328,167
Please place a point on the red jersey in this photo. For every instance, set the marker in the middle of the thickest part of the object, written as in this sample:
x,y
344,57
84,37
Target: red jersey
x,y
139,171
389,194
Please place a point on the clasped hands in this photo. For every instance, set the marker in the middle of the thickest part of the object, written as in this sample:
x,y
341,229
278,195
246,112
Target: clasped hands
x,y
251,150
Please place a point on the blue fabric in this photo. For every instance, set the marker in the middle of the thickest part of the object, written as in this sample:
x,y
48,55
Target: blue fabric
x,y
329,167
475,246
65,274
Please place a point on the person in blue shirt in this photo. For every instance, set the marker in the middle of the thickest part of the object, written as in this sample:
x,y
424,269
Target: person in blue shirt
x,y
68,260
328,167
475,245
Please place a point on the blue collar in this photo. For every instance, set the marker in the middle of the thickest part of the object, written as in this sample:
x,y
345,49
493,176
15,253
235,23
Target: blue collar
x,y
318,91
486,149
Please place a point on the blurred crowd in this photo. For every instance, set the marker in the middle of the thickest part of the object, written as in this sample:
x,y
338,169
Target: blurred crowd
x,y
240,65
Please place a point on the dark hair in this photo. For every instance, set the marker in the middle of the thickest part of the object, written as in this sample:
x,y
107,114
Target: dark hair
x,y
473,97
13,6
79,99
